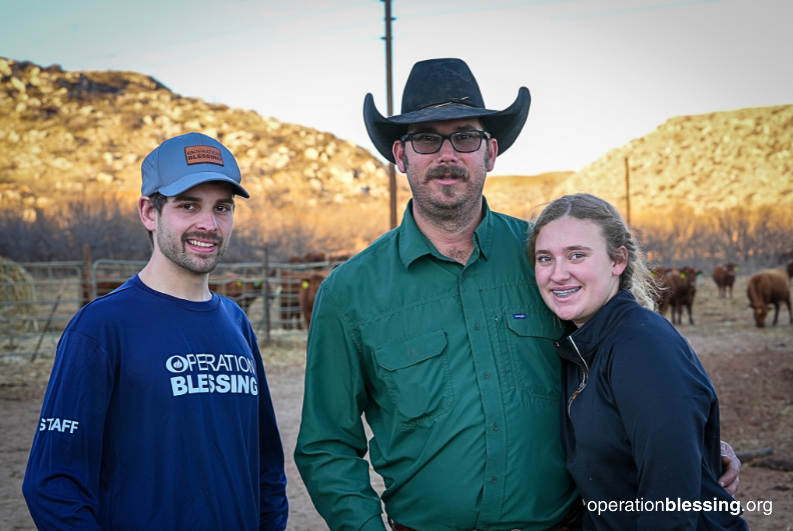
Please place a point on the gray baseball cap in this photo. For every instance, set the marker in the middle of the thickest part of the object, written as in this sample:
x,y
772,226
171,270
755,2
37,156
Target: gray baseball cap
x,y
184,161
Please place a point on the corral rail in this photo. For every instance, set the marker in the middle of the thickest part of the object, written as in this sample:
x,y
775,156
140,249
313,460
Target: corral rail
x,y
38,299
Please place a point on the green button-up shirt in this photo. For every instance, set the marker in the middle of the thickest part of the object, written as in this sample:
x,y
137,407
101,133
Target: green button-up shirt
x,y
455,371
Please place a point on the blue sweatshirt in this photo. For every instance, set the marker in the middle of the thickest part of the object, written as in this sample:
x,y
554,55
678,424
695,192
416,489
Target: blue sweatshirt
x,y
641,425
157,416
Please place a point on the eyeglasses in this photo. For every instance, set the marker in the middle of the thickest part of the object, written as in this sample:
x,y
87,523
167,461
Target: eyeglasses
x,y
462,141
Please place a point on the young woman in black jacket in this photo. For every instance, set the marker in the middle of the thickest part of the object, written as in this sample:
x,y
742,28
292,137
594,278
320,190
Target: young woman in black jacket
x,y
641,416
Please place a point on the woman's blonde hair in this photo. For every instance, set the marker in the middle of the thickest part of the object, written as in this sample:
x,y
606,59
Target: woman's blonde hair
x,y
636,277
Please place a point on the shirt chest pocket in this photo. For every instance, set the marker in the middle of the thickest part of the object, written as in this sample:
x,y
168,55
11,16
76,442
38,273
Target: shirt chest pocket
x,y
531,361
416,371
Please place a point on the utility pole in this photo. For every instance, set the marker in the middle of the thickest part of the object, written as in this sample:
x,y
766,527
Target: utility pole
x,y
392,188
628,190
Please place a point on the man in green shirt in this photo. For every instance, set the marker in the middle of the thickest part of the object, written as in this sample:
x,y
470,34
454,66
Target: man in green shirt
x,y
437,334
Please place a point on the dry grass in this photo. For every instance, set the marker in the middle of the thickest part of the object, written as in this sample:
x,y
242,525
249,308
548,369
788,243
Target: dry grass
x,y
284,350
17,287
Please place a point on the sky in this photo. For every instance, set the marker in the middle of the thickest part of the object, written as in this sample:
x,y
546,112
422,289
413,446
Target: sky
x,y
601,72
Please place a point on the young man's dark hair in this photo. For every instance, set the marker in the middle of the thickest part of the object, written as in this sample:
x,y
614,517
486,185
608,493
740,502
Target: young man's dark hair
x,y
157,202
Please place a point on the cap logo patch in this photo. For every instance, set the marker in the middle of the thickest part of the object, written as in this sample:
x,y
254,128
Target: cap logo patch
x,y
203,155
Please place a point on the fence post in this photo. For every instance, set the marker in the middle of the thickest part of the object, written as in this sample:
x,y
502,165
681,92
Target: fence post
x,y
88,284
266,295
49,321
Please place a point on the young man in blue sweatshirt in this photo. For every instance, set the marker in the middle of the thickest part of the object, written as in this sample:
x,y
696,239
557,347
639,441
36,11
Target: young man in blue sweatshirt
x,y
157,414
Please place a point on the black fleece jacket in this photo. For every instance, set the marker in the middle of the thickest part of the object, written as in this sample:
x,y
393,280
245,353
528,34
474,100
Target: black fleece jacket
x,y
641,424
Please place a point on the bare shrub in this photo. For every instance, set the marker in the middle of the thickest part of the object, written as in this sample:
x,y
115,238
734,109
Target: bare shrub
x,y
58,231
753,238
110,225
295,231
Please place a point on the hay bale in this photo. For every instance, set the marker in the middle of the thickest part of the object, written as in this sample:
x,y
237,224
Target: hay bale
x,y
18,298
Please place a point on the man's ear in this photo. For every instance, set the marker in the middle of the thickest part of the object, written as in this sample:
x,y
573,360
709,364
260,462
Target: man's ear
x,y
492,146
398,149
147,212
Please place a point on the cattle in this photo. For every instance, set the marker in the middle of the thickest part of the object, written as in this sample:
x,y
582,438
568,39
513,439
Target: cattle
x,y
683,287
663,292
308,293
309,258
724,276
337,257
789,270
313,257
241,290
104,285
290,282
293,285
766,287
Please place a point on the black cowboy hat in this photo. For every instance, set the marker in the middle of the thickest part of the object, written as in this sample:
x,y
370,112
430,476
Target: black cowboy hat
x,y
444,89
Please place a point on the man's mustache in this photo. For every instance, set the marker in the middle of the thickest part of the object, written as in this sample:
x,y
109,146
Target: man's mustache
x,y
440,172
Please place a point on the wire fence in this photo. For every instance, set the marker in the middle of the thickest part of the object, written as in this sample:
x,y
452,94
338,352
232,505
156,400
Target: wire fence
x,y
38,299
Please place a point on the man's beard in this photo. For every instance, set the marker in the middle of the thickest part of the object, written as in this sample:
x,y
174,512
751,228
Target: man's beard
x,y
169,247
456,213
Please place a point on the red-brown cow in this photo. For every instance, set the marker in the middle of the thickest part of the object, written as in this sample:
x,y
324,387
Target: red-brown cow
x,y
308,293
241,290
313,257
293,290
308,258
104,285
664,293
769,286
337,257
724,276
683,287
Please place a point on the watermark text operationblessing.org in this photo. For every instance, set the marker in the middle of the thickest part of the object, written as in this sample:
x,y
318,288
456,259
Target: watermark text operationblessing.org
x,y
733,507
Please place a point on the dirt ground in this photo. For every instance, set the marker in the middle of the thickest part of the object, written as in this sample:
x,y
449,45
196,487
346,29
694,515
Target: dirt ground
x,y
751,368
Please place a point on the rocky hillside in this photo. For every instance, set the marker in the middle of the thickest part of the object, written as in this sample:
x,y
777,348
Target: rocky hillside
x,y
717,160
88,132
519,195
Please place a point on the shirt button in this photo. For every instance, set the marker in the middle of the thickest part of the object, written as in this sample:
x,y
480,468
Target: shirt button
x,y
476,326
495,426
465,277
486,375
494,480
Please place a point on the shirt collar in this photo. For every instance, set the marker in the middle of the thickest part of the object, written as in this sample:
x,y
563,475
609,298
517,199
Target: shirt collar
x,y
589,336
413,244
